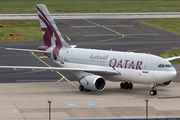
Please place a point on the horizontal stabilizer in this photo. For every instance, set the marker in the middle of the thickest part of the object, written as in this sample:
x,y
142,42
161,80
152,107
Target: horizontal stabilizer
x,y
28,50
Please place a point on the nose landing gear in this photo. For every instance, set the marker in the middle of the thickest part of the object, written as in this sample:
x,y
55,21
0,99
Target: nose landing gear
x,y
153,91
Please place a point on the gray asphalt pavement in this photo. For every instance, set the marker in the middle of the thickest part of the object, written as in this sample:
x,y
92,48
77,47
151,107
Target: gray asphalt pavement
x,y
107,34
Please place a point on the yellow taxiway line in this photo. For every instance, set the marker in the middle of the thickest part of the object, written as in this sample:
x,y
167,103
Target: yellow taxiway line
x,y
63,77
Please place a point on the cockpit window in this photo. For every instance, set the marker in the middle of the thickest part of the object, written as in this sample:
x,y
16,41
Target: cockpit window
x,y
169,65
160,65
166,65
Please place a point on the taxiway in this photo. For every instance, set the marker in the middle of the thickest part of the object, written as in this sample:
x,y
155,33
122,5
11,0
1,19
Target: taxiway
x,y
24,94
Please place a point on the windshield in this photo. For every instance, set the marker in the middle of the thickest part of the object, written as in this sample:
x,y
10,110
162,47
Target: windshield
x,y
165,65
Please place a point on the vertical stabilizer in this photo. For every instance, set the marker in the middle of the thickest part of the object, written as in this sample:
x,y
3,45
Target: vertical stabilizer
x,y
51,35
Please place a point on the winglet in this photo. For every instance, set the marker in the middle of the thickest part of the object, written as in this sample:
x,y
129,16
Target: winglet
x,y
175,54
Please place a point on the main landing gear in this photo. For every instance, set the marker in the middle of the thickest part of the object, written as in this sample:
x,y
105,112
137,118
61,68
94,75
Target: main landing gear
x,y
126,85
81,88
153,91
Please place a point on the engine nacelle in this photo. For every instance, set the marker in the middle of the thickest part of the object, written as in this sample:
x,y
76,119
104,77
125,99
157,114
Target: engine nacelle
x,y
166,84
93,82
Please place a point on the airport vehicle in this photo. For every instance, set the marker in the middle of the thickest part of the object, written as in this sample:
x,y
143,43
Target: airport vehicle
x,y
93,67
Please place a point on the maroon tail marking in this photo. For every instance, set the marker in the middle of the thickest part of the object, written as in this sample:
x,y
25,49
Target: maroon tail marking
x,y
49,34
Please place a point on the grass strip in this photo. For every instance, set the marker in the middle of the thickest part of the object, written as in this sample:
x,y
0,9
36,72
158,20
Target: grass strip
x,y
170,53
30,30
89,6
171,24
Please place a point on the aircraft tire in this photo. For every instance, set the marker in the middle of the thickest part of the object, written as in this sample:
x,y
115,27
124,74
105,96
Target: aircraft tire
x,y
81,88
89,90
126,85
85,90
122,85
153,92
130,85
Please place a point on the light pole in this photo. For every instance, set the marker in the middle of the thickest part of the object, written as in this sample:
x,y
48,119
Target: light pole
x,y
49,109
146,107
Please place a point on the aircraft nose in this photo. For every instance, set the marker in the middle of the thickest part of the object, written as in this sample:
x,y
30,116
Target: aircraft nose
x,y
172,74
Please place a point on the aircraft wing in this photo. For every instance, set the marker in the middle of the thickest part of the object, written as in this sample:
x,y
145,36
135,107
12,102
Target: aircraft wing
x,y
173,58
101,71
28,50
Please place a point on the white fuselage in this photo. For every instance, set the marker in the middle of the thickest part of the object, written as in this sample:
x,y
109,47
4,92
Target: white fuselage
x,y
132,67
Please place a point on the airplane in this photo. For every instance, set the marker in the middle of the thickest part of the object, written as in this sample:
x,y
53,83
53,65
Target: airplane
x,y
93,67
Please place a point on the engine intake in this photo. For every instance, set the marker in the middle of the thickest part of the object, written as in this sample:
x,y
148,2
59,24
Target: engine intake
x,y
166,84
93,82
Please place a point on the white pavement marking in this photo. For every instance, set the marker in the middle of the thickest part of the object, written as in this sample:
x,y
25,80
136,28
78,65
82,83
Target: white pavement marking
x,y
68,38
36,80
175,48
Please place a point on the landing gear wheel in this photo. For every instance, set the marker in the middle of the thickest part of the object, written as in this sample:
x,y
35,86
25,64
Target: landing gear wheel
x,y
126,85
81,88
85,90
122,85
153,92
130,85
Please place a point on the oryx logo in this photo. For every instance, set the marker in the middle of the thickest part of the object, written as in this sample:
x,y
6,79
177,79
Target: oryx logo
x,y
50,35
87,82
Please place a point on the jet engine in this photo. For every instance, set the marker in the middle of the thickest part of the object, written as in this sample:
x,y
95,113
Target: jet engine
x,y
166,84
93,82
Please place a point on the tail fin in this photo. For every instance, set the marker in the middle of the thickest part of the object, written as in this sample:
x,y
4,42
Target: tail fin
x,y
51,34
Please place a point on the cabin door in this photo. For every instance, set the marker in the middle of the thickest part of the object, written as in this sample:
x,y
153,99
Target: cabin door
x,y
62,53
146,66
